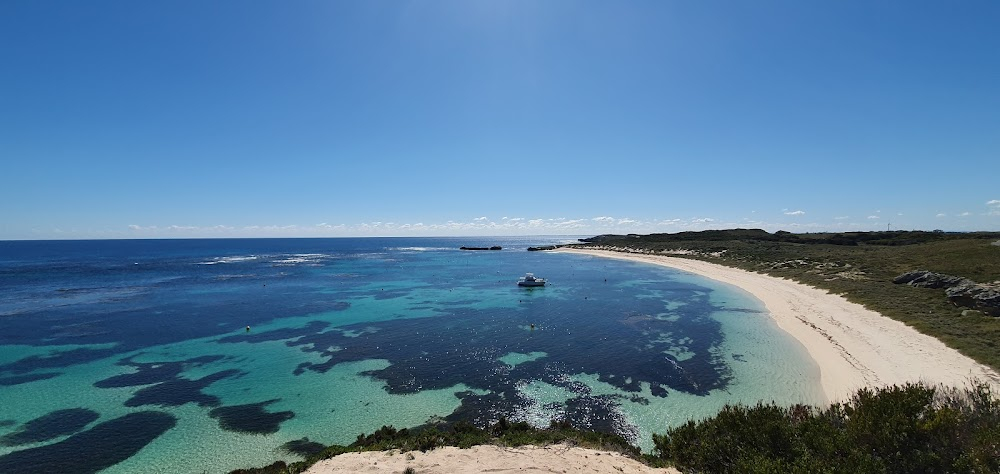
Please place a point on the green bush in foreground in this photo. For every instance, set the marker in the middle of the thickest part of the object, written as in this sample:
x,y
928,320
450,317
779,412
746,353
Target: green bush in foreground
x,y
908,429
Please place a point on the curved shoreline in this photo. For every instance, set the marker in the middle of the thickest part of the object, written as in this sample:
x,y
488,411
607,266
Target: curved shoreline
x,y
854,346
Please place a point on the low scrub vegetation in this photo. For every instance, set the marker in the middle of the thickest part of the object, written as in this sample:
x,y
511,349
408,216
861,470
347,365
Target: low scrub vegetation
x,y
900,429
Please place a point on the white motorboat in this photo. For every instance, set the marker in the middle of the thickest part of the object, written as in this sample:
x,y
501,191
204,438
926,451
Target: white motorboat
x,y
529,280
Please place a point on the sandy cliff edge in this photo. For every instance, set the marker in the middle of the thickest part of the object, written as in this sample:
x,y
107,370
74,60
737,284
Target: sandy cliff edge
x,y
558,458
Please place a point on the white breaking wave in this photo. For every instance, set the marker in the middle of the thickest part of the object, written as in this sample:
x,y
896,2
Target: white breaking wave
x,y
301,258
420,249
236,259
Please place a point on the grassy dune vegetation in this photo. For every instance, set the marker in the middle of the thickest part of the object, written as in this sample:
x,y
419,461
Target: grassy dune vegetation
x,y
860,266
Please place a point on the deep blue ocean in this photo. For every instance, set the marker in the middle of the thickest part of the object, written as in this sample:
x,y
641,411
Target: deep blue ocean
x,y
211,355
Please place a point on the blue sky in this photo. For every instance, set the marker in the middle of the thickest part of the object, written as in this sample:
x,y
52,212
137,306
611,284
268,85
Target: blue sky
x,y
124,119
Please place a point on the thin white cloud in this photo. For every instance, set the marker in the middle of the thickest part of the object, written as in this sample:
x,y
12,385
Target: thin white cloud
x,y
873,217
994,207
572,224
480,219
794,213
840,218
604,219
941,214
965,214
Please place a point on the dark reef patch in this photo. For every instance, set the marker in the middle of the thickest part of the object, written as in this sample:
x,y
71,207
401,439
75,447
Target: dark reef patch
x,y
100,447
464,347
56,360
622,342
639,400
19,379
178,391
484,410
303,447
250,418
152,372
600,413
50,426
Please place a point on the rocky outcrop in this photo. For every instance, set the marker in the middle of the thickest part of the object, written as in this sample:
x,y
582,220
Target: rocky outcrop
x,y
543,247
984,297
963,292
495,247
926,279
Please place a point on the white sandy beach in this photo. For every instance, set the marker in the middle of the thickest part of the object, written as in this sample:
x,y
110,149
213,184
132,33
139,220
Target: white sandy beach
x,y
853,346
493,459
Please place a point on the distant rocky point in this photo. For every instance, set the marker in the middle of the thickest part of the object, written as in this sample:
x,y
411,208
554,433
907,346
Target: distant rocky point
x,y
960,291
495,247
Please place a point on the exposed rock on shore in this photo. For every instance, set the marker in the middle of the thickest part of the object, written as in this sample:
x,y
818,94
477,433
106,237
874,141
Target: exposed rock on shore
x,y
960,291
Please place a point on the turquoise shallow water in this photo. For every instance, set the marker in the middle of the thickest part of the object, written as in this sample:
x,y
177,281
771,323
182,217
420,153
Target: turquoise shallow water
x,y
145,342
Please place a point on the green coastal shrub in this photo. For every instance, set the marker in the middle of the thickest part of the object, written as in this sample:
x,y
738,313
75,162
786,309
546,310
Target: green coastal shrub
x,y
900,429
